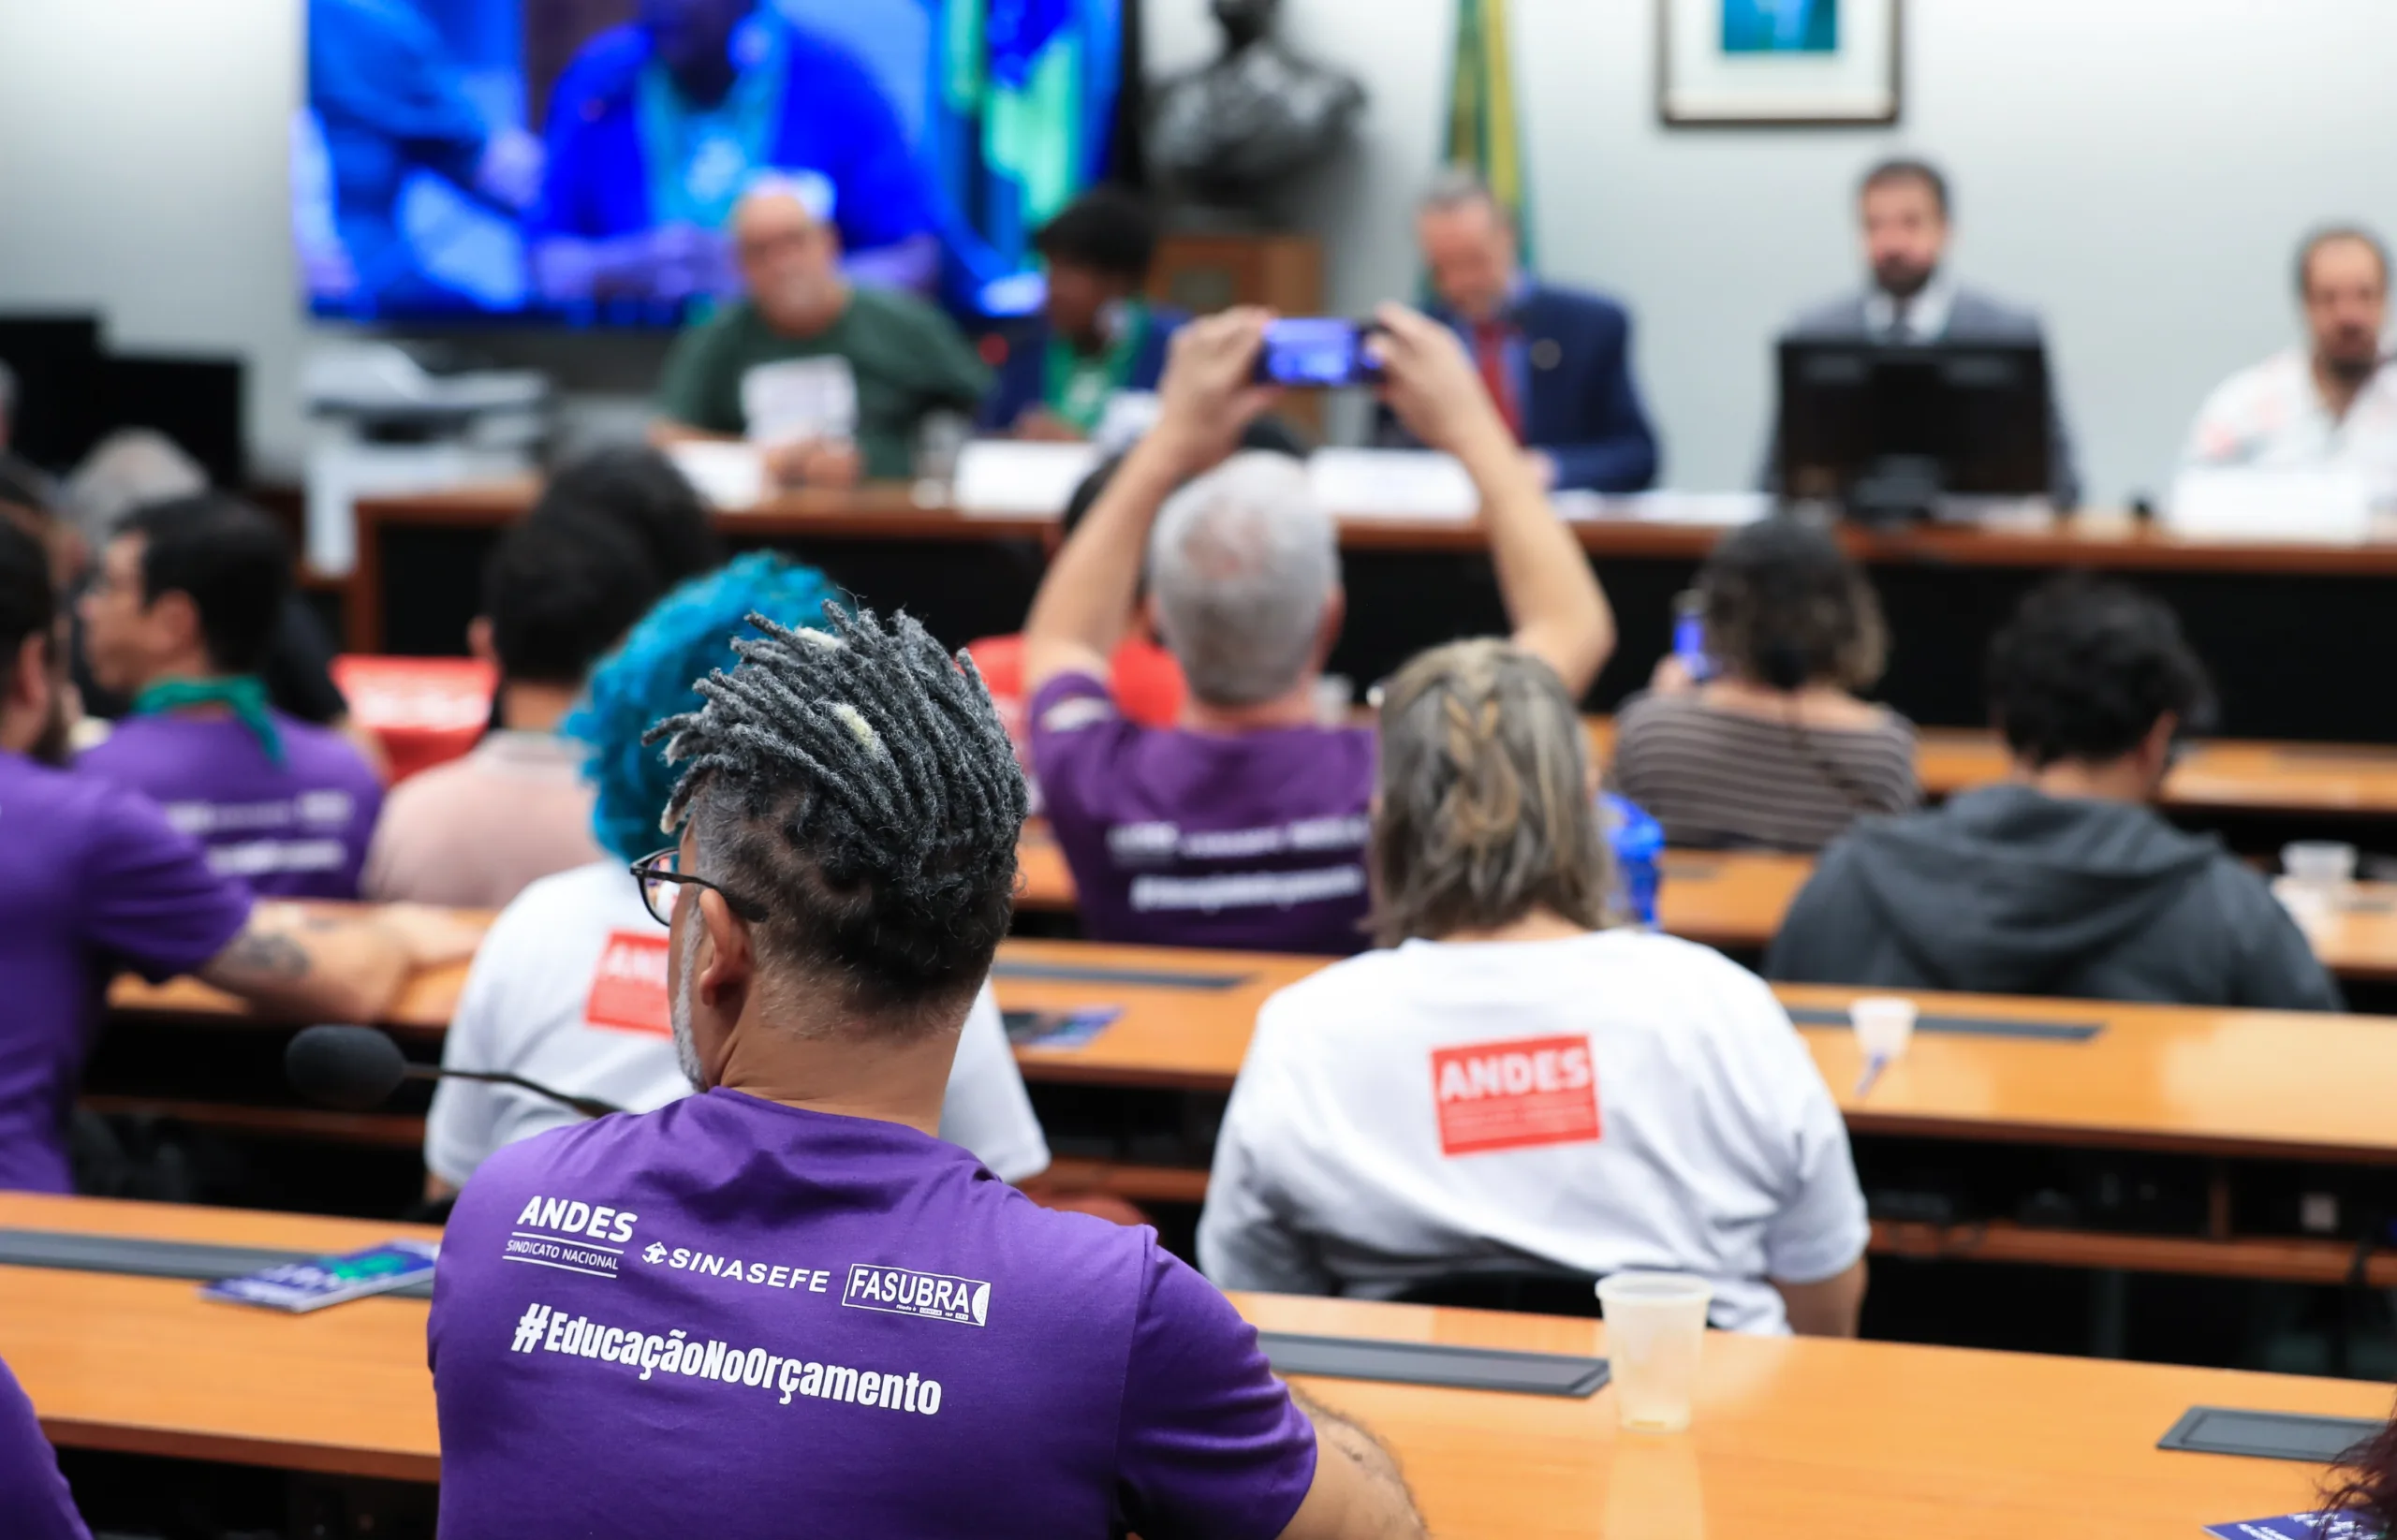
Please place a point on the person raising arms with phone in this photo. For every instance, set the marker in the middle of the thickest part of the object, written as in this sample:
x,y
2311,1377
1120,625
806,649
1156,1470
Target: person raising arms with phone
x,y
1243,823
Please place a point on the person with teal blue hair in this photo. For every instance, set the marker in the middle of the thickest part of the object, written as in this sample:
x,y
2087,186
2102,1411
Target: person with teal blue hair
x,y
650,676
570,988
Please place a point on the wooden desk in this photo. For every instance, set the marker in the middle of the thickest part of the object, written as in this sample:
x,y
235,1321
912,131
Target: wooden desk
x,y
1735,899
2258,611
2191,1070
1799,1439
2221,775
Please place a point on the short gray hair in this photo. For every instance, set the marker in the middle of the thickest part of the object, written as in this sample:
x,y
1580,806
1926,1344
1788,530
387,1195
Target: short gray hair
x,y
129,468
1243,562
1454,187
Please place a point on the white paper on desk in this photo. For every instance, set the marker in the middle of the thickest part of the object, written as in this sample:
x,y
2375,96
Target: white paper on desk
x,y
799,399
1006,476
2329,503
726,475
1714,509
1394,484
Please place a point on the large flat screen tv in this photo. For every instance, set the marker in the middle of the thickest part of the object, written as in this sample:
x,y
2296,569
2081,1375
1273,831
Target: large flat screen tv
x,y
574,161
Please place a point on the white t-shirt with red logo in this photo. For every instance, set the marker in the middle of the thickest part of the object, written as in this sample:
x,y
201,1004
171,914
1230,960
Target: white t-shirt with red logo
x,y
569,989
1601,1103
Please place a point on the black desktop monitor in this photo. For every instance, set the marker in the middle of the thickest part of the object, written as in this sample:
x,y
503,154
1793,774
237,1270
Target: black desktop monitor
x,y
1892,429
196,402
56,359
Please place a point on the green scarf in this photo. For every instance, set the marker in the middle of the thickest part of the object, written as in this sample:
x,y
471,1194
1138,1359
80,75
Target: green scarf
x,y
243,694
1077,388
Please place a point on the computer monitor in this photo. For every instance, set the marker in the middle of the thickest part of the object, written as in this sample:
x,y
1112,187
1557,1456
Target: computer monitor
x,y
196,402
56,361
1889,430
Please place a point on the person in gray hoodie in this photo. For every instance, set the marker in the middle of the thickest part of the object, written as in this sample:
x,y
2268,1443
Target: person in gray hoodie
x,y
2063,880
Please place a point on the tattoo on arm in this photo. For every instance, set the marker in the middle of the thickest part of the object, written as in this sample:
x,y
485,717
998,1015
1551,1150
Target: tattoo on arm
x,y
266,955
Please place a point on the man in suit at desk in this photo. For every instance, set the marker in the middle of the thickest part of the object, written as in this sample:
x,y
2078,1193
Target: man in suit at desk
x,y
1905,208
1557,361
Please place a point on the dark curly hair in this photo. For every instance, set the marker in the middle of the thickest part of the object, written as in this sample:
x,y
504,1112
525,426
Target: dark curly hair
x,y
2365,1480
857,782
1786,608
637,490
1108,230
2086,668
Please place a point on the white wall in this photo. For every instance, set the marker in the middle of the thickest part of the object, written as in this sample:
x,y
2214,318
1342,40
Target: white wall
x,y
2137,169
142,148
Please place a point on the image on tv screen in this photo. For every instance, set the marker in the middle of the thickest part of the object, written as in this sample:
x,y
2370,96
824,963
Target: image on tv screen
x,y
576,161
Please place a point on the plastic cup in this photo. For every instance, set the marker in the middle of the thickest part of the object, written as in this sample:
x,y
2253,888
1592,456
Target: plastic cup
x,y
2321,866
1655,1326
1884,1025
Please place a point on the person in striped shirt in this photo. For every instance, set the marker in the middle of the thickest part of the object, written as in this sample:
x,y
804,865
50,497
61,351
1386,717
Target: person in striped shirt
x,y
1774,748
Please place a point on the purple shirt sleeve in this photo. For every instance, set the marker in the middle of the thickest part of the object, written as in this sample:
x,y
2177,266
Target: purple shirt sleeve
x,y
1210,1442
1076,733
149,895
33,1499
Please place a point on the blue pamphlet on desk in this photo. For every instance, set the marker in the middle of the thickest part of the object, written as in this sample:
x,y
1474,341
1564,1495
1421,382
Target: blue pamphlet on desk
x,y
319,1280
2342,1525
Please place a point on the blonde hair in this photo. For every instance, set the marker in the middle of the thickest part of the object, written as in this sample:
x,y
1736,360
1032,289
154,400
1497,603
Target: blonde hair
x,y
1483,809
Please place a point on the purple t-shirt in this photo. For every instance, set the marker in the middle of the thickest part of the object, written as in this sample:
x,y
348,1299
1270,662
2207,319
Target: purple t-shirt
x,y
295,830
92,878
35,1504
1251,841
737,1319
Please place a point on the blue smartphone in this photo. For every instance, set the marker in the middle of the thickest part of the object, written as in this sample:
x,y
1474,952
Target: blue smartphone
x,y
1316,353
1689,635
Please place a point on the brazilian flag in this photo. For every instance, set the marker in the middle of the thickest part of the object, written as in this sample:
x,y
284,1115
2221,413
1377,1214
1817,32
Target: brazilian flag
x,y
1482,131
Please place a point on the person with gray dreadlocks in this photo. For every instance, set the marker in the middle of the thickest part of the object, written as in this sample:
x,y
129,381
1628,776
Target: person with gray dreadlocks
x,y
783,1305
568,990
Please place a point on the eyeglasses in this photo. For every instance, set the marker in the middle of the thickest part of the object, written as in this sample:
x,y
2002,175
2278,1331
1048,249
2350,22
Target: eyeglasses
x,y
656,877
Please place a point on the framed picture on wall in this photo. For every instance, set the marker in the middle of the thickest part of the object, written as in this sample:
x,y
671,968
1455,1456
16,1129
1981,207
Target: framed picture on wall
x,y
1777,63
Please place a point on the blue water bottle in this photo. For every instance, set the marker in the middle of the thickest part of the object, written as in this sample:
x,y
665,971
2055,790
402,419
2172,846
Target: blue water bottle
x,y
1638,843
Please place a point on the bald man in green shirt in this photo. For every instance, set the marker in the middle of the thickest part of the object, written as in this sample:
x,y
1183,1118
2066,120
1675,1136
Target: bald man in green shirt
x,y
830,380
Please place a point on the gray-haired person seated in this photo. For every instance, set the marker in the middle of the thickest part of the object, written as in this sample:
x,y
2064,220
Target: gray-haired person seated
x,y
1516,1079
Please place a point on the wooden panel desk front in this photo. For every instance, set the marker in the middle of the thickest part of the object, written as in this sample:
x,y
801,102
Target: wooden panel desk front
x,y
1802,1438
2094,539
2257,610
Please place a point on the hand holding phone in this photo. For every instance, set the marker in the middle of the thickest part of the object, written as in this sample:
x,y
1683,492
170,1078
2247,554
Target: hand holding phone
x,y
1432,386
1317,353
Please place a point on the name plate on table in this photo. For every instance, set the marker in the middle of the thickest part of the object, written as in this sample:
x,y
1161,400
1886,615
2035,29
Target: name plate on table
x,y
2331,505
729,476
1698,509
1394,484
1004,478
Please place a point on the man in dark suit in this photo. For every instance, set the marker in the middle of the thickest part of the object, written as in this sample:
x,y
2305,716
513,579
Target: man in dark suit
x,y
1905,208
1556,360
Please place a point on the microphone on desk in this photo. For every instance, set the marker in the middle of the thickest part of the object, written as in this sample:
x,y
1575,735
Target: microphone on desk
x,y
356,1068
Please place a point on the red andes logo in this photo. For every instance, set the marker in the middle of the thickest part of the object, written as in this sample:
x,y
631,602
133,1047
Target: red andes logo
x,y
628,989
1508,1095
